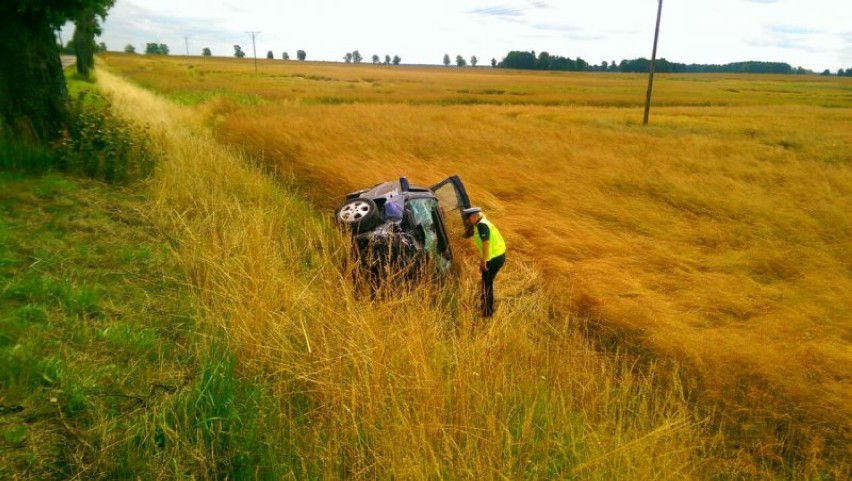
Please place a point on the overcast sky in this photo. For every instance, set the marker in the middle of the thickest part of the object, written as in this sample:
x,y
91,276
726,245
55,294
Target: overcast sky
x,y
815,34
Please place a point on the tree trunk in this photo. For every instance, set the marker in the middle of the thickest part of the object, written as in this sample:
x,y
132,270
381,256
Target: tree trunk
x,y
32,86
84,42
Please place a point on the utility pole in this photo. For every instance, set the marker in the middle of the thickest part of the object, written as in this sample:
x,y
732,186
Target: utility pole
x,y
186,40
253,48
653,65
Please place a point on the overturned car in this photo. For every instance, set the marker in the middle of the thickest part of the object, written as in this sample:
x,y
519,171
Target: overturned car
x,y
402,229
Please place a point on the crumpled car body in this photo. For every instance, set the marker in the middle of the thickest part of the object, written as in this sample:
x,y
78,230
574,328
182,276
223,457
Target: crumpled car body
x,y
402,229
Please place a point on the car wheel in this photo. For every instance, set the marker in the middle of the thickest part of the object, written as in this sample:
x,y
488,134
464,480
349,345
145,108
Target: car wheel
x,y
361,214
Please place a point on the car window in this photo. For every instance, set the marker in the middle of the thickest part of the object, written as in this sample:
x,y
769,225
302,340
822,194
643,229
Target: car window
x,y
452,196
422,211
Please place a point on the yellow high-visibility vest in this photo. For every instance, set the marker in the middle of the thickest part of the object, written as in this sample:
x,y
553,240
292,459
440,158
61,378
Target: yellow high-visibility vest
x,y
496,244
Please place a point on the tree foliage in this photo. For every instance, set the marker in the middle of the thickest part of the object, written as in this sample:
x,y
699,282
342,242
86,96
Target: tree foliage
x,y
238,52
87,25
460,61
269,55
376,59
447,59
301,55
285,56
129,48
544,61
396,59
473,61
642,65
85,28
32,86
156,49
206,52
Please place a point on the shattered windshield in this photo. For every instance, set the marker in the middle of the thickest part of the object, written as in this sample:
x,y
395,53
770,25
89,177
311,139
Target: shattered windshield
x,y
422,211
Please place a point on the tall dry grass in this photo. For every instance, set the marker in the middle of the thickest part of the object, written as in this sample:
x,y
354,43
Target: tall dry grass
x,y
412,386
717,236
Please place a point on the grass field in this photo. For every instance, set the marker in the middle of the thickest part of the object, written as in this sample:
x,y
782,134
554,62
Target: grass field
x,y
718,236
409,386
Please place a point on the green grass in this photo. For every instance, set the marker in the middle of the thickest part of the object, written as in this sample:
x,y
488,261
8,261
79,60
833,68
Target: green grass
x,y
105,375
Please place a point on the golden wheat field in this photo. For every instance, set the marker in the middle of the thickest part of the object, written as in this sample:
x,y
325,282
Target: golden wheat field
x,y
717,239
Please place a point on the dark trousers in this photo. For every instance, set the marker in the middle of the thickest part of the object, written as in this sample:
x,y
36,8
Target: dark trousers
x,y
488,276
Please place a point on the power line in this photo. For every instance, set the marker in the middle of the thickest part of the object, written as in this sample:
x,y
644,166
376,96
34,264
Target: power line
x,y
253,48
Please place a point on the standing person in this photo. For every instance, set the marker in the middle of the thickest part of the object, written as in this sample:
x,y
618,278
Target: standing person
x,y
492,254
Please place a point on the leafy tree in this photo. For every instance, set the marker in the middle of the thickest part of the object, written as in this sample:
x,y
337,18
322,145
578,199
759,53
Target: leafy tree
x,y
493,62
348,57
238,52
156,49
460,61
473,61
356,56
206,52
301,55
376,59
129,48
102,47
84,41
32,86
519,60
446,59
269,55
387,59
396,60
826,73
86,27
285,56
544,61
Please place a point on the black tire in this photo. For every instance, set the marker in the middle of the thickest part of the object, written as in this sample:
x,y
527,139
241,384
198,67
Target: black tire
x,y
360,214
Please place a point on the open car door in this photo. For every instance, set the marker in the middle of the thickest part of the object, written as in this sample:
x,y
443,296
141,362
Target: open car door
x,y
452,196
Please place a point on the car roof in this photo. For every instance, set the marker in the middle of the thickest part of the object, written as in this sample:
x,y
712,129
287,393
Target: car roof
x,y
387,189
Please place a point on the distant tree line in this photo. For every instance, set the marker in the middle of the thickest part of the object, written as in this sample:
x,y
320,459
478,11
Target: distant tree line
x,y
356,57
664,66
462,62
530,61
544,61
163,49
